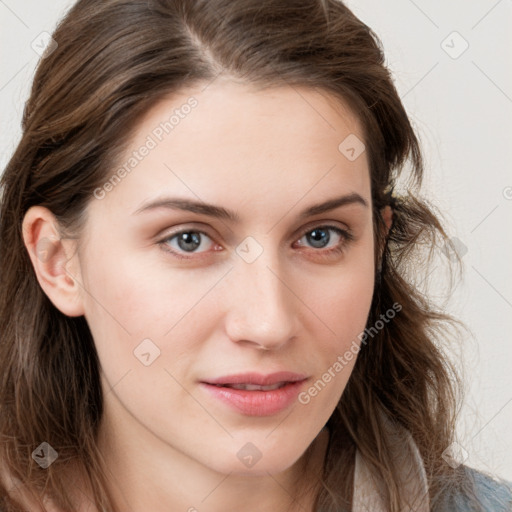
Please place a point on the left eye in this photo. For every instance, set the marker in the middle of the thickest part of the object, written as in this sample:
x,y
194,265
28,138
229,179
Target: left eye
x,y
319,237
188,241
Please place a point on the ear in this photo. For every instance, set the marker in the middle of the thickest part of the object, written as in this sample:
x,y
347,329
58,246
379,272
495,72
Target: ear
x,y
387,217
54,260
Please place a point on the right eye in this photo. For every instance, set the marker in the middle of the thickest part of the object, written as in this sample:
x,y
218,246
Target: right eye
x,y
185,241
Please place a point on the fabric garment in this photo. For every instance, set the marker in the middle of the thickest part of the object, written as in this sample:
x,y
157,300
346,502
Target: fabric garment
x,y
494,496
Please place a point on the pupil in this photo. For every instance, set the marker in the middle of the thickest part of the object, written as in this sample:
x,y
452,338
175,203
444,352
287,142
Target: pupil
x,y
187,238
317,234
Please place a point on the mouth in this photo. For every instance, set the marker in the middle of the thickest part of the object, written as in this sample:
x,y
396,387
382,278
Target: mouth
x,y
254,394
253,387
257,379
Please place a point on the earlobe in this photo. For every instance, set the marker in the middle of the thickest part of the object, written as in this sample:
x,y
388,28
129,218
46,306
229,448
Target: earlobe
x,y
387,217
54,260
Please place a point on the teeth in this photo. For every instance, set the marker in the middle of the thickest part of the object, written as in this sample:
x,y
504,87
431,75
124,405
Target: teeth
x,y
254,387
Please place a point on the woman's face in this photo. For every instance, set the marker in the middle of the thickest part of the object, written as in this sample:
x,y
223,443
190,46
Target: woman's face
x,y
184,303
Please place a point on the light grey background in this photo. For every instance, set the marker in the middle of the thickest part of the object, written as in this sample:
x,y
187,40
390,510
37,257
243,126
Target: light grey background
x,y
461,106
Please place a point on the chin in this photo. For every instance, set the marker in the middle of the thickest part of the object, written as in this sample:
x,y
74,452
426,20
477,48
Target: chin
x,y
258,457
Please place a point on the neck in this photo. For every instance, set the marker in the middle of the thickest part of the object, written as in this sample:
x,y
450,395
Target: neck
x,y
148,474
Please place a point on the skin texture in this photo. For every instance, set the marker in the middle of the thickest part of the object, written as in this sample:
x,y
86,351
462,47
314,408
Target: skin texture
x,y
266,155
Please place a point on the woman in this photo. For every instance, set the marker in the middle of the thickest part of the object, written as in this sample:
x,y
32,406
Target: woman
x,y
207,294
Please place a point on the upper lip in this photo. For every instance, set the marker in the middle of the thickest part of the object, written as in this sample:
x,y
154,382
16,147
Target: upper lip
x,y
257,379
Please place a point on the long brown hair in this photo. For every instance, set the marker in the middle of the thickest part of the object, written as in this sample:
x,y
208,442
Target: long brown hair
x,y
114,60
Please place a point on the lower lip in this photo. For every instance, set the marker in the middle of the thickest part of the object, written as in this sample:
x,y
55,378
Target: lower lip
x,y
257,403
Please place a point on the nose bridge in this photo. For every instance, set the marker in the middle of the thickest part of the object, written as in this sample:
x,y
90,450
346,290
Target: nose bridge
x,y
262,308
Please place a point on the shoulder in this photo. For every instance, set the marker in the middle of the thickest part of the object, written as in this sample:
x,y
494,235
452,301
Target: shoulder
x,y
492,494
495,494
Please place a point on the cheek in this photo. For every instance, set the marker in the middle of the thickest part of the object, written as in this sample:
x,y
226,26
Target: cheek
x,y
129,302
344,310
342,299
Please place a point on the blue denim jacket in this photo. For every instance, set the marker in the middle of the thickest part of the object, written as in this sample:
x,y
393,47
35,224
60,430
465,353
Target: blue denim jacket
x,y
493,495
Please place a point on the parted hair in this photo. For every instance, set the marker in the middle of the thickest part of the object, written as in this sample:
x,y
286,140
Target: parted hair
x,y
113,61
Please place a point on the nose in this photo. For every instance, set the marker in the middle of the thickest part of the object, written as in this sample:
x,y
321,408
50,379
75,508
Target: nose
x,y
262,308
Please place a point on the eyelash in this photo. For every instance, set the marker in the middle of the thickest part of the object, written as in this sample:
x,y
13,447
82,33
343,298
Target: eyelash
x,y
346,236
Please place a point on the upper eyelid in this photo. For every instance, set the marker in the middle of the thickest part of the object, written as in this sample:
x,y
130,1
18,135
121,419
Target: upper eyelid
x,y
304,229
325,223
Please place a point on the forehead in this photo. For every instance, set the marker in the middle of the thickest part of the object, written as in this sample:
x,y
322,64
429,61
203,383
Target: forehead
x,y
278,143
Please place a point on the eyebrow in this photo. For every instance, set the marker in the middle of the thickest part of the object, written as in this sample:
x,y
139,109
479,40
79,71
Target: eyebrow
x,y
176,203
